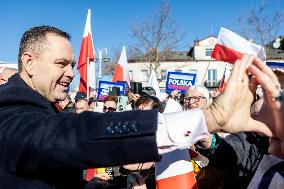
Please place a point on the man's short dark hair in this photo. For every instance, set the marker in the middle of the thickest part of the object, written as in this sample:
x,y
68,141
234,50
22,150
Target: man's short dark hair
x,y
154,102
34,40
111,98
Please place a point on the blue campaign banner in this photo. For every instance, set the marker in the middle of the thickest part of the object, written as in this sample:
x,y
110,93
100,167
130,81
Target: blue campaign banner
x,y
104,86
180,81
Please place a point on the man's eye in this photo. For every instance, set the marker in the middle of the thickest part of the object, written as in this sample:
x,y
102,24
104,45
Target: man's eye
x,y
61,64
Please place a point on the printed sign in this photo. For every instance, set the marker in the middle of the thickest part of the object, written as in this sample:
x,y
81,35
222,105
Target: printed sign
x,y
180,81
104,87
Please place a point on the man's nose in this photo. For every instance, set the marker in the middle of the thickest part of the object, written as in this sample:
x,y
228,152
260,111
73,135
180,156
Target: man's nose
x,y
69,72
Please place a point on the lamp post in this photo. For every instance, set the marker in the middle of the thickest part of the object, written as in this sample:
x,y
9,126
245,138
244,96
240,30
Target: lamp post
x,y
100,59
277,44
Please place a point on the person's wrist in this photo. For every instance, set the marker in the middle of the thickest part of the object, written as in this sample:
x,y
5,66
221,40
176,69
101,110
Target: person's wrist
x,y
215,118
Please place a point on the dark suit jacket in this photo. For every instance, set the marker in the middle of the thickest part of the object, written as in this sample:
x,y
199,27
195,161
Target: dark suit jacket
x,y
42,148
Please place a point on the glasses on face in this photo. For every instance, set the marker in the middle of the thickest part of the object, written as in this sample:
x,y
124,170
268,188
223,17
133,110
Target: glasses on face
x,y
193,98
110,109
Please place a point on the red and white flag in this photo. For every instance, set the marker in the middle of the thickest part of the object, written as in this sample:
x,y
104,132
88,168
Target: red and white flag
x,y
86,58
121,69
175,170
231,47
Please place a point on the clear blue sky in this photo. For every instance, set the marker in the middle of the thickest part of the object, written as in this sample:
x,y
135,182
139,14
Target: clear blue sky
x,y
111,19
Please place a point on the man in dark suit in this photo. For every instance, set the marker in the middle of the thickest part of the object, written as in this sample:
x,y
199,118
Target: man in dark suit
x,y
42,148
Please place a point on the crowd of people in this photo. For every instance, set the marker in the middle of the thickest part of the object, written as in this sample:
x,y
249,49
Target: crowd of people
x,y
48,141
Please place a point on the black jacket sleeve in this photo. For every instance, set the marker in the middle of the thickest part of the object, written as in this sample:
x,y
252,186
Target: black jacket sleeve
x,y
33,139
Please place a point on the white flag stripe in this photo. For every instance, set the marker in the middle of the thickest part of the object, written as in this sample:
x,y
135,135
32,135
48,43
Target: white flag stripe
x,y
88,24
124,64
92,75
174,163
153,82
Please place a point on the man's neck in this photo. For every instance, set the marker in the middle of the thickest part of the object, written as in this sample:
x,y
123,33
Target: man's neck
x,y
27,79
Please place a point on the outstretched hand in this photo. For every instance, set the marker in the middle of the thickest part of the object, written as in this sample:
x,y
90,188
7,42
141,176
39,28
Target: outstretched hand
x,y
230,112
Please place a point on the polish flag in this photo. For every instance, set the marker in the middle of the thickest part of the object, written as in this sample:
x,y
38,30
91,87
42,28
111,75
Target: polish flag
x,y
175,170
121,69
86,58
231,47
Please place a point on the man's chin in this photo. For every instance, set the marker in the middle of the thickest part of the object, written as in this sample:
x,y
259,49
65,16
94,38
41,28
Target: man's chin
x,y
60,97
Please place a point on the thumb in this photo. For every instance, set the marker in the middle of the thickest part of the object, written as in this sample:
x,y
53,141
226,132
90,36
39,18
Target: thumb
x,y
259,127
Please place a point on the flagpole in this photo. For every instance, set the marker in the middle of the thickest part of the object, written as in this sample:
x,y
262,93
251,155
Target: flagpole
x,y
221,83
206,71
88,61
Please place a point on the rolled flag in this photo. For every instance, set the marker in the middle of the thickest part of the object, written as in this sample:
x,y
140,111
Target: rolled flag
x,y
231,47
175,171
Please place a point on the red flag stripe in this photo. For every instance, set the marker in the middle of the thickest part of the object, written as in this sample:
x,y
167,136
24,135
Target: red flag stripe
x,y
222,53
118,73
184,181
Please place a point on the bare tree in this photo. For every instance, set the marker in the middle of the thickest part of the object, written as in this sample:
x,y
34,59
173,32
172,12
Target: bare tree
x,y
260,26
157,36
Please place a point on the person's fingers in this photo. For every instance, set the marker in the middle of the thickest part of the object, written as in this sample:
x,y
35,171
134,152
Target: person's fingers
x,y
246,61
139,179
276,147
235,71
259,127
253,84
265,81
265,69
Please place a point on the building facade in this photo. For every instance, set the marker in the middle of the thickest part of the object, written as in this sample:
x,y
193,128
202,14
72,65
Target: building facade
x,y
197,60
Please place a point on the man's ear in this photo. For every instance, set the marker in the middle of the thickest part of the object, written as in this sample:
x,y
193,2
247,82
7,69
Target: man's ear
x,y
28,61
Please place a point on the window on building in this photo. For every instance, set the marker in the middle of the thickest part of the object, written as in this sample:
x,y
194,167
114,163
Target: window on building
x,y
208,52
144,75
163,75
131,75
212,75
178,70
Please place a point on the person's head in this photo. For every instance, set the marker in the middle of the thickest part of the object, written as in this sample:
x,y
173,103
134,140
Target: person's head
x,y
92,104
80,95
147,102
110,103
197,97
148,91
6,74
81,105
46,61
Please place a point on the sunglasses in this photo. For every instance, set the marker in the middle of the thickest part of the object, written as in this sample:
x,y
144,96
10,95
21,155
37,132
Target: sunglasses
x,y
109,109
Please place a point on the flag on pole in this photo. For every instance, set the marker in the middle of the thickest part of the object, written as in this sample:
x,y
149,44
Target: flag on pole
x,y
153,82
223,82
231,47
175,170
86,58
121,69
